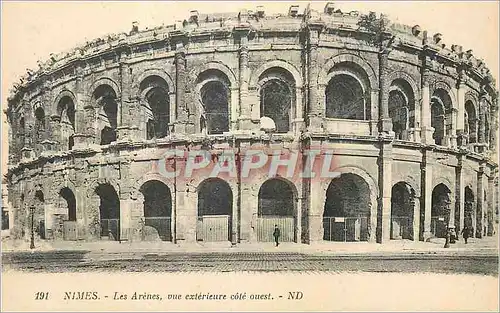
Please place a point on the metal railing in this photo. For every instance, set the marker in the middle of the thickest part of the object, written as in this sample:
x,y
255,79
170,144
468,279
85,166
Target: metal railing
x,y
162,224
345,229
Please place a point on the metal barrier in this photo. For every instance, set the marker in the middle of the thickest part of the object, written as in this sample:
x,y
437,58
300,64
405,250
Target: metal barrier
x,y
401,227
345,229
212,228
265,228
438,226
110,228
162,225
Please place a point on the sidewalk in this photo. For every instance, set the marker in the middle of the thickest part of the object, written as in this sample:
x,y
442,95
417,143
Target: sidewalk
x,y
486,245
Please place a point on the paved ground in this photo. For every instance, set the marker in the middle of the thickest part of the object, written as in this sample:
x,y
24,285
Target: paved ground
x,y
479,256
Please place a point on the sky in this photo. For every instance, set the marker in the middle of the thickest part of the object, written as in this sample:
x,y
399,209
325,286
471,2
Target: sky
x,y
31,31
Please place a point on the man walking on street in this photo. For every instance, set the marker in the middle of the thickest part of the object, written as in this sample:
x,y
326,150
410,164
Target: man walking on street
x,y
465,233
276,235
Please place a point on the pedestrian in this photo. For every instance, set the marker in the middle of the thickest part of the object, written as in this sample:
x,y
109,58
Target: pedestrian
x,y
276,235
466,233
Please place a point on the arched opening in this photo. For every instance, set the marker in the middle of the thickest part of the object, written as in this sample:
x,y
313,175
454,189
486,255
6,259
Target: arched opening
x,y
401,108
22,133
109,212
107,106
68,201
39,214
66,114
39,125
469,209
402,210
470,121
215,205
487,132
440,211
277,97
345,98
276,207
156,106
441,118
157,211
346,214
215,99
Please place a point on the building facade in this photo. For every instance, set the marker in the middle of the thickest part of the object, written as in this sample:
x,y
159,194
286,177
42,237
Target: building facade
x,y
410,124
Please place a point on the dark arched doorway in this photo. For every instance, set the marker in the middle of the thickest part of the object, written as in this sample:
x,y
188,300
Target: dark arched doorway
x,y
38,217
346,215
276,207
109,211
157,211
440,212
402,210
68,201
215,205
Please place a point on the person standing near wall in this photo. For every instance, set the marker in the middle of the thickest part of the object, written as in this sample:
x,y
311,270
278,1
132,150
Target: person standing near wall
x,y
276,235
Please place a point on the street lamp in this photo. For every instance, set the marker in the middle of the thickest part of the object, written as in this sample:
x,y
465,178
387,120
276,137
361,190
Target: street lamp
x,y
32,213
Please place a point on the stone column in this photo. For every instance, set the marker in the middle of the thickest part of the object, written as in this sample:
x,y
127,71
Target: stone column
x,y
460,194
416,218
180,79
427,167
385,189
491,192
126,114
481,138
315,212
427,130
480,204
316,108
385,122
453,131
461,135
84,115
244,119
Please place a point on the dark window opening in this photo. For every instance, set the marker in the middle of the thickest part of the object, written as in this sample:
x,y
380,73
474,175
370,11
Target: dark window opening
x,y
215,100
276,102
345,99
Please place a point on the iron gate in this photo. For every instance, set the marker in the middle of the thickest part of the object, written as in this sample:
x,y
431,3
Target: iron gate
x,y
345,228
265,228
110,228
211,228
162,225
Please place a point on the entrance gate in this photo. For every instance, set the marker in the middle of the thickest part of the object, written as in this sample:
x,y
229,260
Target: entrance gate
x,y
110,228
265,228
345,228
69,230
213,228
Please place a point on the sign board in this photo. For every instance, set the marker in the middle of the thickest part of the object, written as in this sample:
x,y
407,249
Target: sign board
x,y
339,220
441,219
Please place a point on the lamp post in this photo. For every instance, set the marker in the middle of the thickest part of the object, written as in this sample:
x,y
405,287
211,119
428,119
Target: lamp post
x,y
32,213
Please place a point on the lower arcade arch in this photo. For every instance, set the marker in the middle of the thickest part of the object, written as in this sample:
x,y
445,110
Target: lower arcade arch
x,y
276,207
440,210
67,202
346,215
215,205
402,211
109,212
157,206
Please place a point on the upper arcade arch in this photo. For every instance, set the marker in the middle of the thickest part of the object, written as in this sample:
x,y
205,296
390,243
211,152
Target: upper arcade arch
x,y
324,75
256,75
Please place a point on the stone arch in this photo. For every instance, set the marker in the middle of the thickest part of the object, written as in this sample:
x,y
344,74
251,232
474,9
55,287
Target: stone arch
x,y
439,84
219,66
445,181
254,79
139,78
104,81
101,181
403,211
64,93
323,76
402,75
472,97
411,182
135,191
